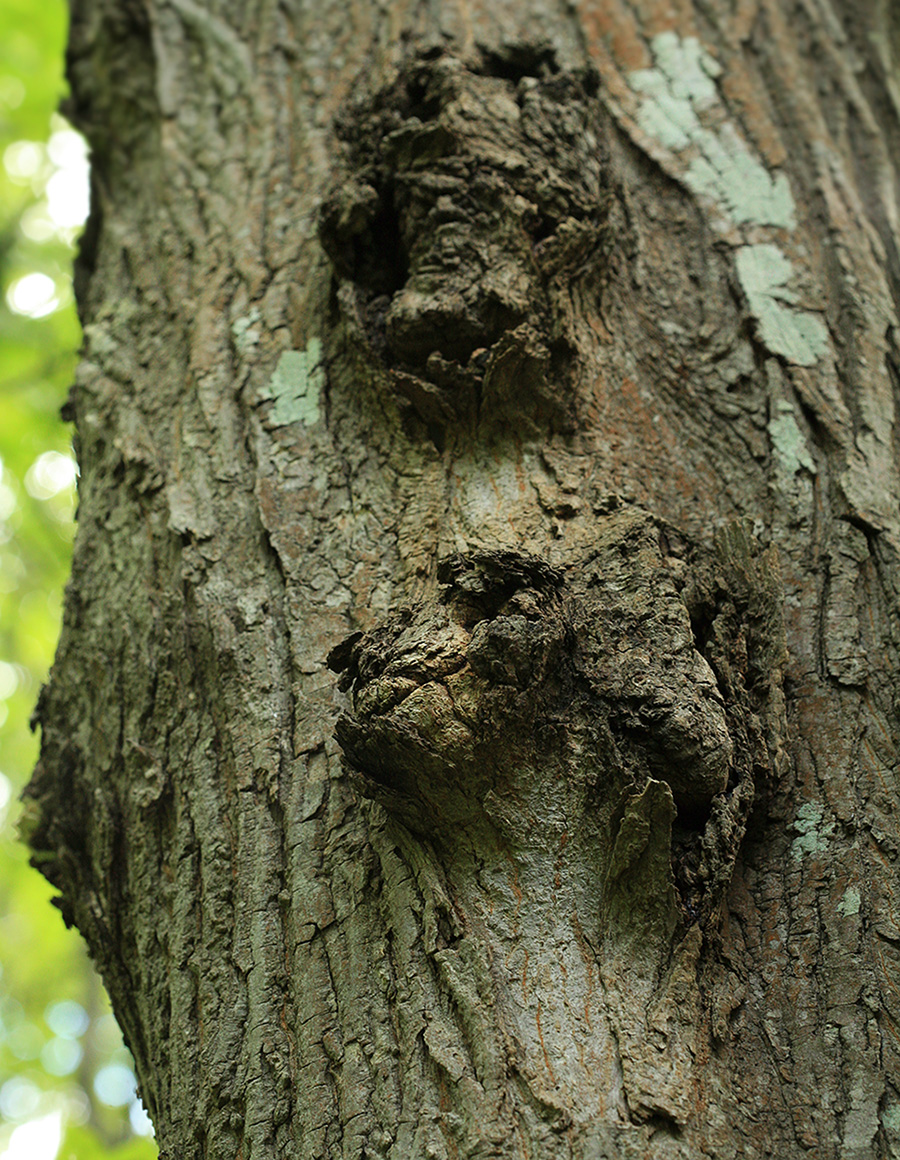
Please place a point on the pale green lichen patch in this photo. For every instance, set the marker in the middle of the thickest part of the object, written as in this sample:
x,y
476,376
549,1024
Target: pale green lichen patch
x,y
243,330
691,70
812,834
680,107
296,386
890,1119
797,335
849,904
727,172
674,94
788,441
681,84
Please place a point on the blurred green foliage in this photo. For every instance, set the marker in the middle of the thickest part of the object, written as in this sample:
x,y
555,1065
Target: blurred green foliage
x,y
66,1086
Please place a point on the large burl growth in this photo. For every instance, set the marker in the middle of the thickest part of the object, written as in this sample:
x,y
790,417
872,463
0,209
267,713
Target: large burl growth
x,y
594,729
470,197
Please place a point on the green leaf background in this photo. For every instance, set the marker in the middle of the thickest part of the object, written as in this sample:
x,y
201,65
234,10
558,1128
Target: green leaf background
x,y
62,1061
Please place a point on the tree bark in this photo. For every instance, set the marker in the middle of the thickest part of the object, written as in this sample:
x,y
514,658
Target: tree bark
x,y
474,730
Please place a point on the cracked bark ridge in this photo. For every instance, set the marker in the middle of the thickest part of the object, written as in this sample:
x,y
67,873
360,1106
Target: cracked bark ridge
x,y
471,197
524,692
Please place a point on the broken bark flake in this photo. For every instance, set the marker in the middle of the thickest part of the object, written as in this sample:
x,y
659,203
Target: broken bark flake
x,y
470,197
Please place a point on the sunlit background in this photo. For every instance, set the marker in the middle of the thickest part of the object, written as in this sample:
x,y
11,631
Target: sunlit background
x,y
67,1088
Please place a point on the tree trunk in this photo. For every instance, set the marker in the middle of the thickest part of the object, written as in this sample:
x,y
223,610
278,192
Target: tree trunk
x,y
474,730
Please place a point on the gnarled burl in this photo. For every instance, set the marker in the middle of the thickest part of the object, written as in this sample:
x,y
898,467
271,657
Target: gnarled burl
x,y
590,735
470,197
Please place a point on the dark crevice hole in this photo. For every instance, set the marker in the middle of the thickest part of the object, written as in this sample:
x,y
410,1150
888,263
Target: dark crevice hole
x,y
514,61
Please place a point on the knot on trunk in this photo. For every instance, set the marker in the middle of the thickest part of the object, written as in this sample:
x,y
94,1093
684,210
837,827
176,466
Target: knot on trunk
x,y
451,700
522,702
469,197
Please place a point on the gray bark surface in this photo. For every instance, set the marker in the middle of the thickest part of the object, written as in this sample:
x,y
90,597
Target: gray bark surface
x,y
474,731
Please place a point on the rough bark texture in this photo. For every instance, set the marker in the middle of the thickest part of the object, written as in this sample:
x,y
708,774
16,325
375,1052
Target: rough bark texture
x,y
538,365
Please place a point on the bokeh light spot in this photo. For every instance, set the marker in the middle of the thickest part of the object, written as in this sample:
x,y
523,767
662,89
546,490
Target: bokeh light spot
x,y
114,1085
67,1019
33,295
51,473
23,159
61,1056
37,1140
19,1098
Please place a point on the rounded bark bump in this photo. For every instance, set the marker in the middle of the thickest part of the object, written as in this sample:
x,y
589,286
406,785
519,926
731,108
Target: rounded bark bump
x,y
522,692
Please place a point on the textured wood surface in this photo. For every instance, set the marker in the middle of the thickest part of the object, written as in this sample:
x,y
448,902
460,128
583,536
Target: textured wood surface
x,y
614,288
